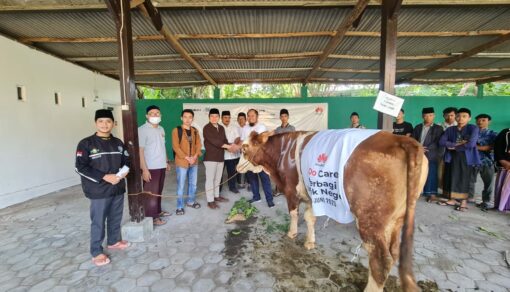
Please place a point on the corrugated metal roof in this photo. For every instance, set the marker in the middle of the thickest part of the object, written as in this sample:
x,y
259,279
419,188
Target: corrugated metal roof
x,y
69,24
253,76
98,23
253,20
105,49
255,46
170,77
257,64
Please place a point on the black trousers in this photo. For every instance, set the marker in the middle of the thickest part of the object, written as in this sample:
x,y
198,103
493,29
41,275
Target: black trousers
x,y
230,165
103,212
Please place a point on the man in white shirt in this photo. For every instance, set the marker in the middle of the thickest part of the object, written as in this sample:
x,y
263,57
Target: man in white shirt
x,y
242,181
233,133
253,178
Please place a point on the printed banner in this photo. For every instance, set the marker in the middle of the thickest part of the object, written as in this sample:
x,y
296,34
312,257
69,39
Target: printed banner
x,y
303,116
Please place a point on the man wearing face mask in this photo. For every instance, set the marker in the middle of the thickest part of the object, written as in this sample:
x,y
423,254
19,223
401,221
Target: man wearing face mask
x,y
153,162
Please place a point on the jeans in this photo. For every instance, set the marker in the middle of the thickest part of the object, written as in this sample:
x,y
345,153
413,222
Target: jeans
x,y
253,178
191,174
487,174
108,210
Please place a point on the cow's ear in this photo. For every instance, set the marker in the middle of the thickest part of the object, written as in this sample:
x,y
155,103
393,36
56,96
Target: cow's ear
x,y
262,138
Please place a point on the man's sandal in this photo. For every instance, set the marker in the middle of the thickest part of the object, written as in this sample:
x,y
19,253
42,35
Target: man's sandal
x,y
179,212
447,204
100,260
164,214
461,208
195,205
158,222
123,244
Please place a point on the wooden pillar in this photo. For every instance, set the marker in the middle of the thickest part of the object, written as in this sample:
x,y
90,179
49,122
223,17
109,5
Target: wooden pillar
x,y
388,58
120,9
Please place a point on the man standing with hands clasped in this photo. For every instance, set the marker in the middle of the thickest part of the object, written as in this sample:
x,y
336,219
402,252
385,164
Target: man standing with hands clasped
x,y
102,161
154,163
215,143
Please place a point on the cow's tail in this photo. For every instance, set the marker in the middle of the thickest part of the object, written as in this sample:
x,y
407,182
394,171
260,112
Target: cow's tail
x,y
415,160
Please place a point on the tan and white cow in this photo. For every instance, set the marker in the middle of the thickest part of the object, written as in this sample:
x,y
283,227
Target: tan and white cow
x,y
383,178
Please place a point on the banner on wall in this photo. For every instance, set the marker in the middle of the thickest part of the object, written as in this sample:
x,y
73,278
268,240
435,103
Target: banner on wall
x,y
303,116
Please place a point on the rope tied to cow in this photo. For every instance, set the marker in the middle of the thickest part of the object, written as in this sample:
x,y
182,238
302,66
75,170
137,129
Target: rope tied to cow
x,y
196,195
199,193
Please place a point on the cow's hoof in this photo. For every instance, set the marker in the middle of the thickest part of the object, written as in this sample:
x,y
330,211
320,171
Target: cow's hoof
x,y
291,235
309,245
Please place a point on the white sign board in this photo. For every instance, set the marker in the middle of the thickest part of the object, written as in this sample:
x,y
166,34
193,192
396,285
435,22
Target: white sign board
x,y
303,116
388,104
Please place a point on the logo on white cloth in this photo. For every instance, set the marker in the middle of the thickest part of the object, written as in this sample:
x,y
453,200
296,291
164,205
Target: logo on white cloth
x,y
322,159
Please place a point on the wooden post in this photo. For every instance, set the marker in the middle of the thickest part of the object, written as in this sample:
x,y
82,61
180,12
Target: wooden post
x,y
388,59
120,10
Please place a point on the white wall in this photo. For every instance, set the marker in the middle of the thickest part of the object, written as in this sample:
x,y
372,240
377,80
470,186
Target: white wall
x,y
38,138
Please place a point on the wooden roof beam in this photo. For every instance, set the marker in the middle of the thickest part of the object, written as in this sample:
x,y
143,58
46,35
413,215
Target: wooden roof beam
x,y
151,12
340,33
283,56
312,80
51,5
493,79
272,70
497,41
373,34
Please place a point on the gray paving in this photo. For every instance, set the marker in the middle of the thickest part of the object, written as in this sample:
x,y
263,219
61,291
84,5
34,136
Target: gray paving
x,y
44,247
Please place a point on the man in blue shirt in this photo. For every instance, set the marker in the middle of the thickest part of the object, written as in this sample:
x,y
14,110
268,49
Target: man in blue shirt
x,y
460,158
485,144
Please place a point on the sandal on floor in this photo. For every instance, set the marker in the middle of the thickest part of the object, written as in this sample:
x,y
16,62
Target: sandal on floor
x,y
158,222
100,260
164,214
431,200
123,244
461,209
446,204
195,205
179,212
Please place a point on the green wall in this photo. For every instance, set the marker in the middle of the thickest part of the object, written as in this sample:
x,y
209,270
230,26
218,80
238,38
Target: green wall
x,y
340,109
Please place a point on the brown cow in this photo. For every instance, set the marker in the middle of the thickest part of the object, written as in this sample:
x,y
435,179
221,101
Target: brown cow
x,y
382,180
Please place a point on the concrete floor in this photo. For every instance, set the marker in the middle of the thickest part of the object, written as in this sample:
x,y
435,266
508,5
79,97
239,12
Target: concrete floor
x,y
44,247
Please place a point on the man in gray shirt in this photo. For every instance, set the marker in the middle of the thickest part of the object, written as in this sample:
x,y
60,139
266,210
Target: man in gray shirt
x,y
153,162
285,127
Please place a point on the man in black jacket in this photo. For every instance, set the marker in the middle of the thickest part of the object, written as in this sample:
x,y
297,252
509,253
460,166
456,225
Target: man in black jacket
x,y
102,161
428,134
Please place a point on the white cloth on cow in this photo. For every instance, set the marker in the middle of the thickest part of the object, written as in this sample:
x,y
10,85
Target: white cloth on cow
x,y
322,167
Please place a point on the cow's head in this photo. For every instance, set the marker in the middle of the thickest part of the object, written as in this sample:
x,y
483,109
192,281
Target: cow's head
x,y
252,153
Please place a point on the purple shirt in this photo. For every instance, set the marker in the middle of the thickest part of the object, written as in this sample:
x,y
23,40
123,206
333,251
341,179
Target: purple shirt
x,y
468,133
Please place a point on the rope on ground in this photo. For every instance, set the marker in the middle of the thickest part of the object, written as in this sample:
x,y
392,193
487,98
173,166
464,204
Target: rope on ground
x,y
326,222
356,253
